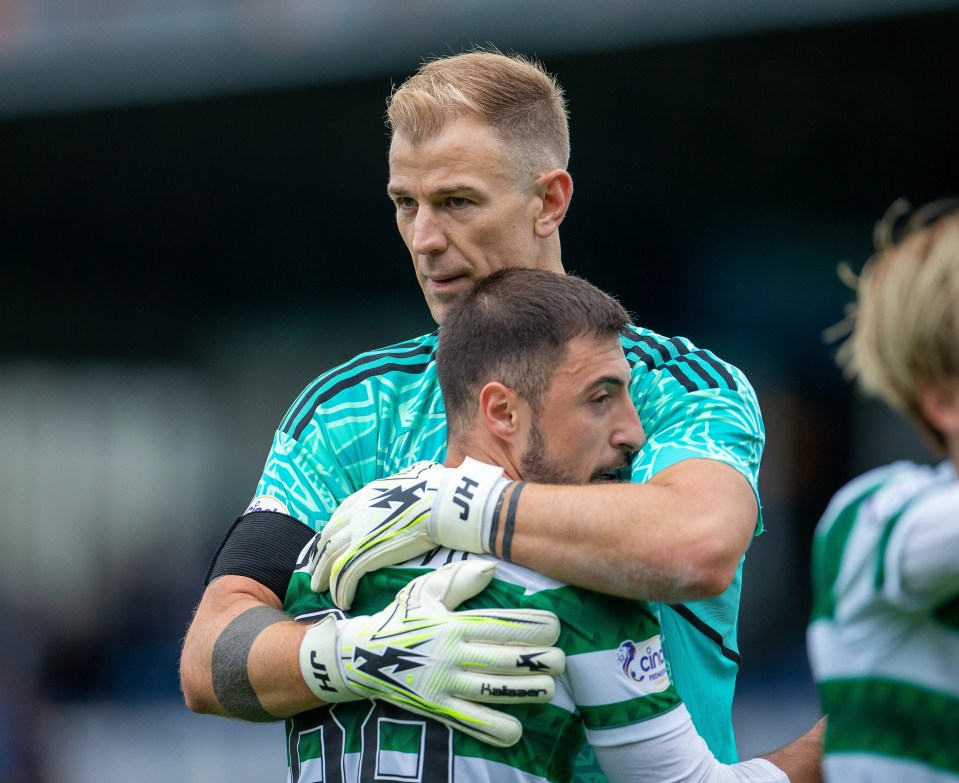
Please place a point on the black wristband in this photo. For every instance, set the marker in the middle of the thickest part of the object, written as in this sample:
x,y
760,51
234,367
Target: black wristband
x,y
494,525
510,523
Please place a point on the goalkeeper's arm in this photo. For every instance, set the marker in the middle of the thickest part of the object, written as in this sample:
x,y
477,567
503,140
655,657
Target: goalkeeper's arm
x,y
240,655
247,579
677,537
266,667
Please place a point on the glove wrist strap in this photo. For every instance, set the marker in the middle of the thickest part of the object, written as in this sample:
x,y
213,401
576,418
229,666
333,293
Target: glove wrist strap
x,y
320,662
463,512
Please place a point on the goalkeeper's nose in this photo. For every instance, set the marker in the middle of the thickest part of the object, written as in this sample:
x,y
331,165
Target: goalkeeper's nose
x,y
428,237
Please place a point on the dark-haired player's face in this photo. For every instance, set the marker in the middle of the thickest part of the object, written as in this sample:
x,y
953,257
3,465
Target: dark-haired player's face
x,y
587,427
460,210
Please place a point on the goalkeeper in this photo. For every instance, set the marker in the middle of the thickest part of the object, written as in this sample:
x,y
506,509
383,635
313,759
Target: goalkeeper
x,y
535,380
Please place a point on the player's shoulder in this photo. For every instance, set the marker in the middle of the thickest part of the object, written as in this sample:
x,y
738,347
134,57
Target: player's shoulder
x,y
884,490
676,357
919,485
395,366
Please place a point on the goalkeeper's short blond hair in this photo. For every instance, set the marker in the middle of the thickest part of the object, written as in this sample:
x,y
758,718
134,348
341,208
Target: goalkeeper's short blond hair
x,y
513,94
905,321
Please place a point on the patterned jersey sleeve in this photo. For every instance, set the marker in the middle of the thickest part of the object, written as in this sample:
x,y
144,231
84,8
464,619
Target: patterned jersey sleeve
x,y
692,405
363,420
307,484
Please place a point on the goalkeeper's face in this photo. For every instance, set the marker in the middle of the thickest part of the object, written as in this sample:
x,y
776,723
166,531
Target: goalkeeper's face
x,y
587,427
462,210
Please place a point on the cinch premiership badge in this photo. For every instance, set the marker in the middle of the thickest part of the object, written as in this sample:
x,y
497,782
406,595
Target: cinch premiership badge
x,y
643,663
266,503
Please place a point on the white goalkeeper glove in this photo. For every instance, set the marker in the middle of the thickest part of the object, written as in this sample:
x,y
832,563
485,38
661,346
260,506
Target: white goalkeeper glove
x,y
408,514
424,658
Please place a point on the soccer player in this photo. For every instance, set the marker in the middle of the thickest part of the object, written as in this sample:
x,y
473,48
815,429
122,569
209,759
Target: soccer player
x,y
884,634
478,157
535,384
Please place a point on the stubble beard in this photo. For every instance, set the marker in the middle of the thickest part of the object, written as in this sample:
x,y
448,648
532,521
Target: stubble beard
x,y
539,468
536,464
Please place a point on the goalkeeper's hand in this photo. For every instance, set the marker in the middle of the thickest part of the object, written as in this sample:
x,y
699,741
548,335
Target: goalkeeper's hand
x,y
408,514
421,656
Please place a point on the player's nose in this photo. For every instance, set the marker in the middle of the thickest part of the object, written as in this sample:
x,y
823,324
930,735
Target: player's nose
x,y
629,434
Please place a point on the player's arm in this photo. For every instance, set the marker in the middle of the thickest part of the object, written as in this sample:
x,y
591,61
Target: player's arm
x,y
637,723
238,658
676,533
682,755
678,537
801,759
265,666
923,552
245,587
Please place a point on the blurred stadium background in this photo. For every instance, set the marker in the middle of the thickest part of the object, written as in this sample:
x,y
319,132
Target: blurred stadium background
x,y
195,226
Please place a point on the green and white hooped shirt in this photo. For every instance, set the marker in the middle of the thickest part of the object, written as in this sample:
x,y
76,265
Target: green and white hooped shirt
x,y
883,639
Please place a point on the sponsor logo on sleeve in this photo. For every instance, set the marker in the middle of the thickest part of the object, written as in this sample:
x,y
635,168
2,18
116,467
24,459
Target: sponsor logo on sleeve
x,y
266,503
644,663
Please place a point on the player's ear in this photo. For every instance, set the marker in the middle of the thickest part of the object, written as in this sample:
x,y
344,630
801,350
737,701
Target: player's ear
x,y
498,405
939,403
555,191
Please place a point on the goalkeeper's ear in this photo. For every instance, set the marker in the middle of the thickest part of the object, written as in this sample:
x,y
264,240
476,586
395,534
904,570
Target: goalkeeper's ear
x,y
555,190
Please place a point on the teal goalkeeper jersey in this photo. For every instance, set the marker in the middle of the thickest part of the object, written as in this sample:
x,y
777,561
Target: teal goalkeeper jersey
x,y
382,411
615,690
884,647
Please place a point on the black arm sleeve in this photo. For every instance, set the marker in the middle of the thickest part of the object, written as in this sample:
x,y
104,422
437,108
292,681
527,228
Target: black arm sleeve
x,y
261,545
